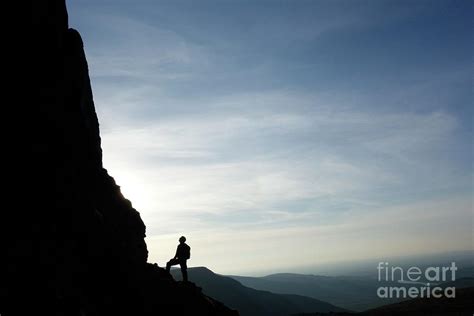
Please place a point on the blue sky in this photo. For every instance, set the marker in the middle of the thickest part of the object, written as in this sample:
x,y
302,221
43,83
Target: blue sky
x,y
291,133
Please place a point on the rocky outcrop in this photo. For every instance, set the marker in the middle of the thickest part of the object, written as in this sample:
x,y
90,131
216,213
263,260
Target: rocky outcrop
x,y
72,244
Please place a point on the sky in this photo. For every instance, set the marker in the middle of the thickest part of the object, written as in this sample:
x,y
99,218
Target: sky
x,y
279,135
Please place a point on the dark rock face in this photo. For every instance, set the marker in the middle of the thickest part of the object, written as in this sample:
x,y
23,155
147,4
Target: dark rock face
x,y
72,244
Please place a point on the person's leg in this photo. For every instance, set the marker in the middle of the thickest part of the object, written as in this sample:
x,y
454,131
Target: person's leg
x,y
170,263
184,270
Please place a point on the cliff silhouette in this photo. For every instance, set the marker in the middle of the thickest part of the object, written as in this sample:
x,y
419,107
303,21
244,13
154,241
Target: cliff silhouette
x,y
72,244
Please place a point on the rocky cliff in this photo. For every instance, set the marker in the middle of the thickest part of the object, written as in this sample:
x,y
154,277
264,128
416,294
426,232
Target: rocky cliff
x,y
72,244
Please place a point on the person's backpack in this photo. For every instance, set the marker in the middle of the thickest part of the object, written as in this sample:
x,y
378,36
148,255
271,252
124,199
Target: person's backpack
x,y
187,252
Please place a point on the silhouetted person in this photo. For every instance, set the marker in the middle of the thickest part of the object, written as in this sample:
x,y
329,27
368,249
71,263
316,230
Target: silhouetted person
x,y
183,253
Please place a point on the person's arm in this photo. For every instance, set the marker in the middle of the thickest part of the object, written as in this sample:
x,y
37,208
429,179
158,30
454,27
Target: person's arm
x,y
176,254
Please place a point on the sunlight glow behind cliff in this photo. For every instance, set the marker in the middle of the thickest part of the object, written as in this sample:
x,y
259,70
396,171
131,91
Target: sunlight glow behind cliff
x,y
278,136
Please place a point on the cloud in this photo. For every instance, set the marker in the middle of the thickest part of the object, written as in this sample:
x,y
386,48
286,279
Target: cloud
x,y
379,233
289,126
276,165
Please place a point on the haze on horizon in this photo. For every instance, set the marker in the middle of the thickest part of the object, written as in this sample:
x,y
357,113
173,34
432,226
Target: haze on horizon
x,y
282,134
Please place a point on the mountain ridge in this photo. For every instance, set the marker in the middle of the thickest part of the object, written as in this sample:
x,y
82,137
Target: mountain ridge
x,y
351,292
251,302
356,293
461,306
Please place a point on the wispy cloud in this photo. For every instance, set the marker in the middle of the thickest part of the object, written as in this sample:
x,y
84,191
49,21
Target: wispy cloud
x,y
233,162
402,230
326,123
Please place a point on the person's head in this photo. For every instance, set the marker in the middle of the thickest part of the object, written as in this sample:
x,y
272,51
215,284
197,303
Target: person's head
x,y
182,239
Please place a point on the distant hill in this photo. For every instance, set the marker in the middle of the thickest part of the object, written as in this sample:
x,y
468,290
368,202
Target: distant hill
x,y
350,292
251,302
460,283
462,304
465,272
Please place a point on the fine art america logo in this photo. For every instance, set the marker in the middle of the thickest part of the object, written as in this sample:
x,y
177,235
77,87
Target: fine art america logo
x,y
415,282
